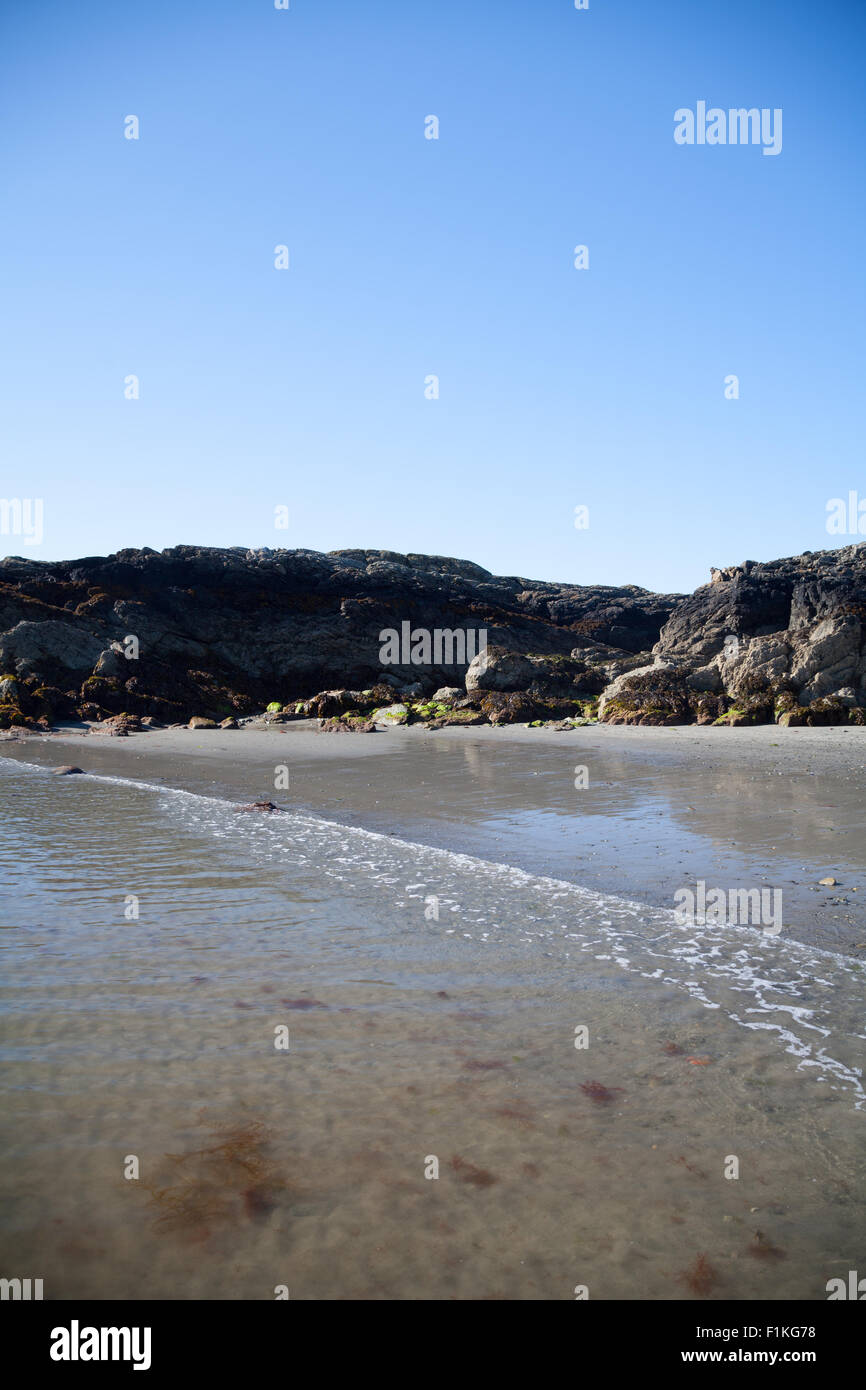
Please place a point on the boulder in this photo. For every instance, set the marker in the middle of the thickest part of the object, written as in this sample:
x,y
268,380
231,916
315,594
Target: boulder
x,y
390,715
510,707
329,703
347,724
617,686
498,669
447,695
112,662
11,713
793,718
456,717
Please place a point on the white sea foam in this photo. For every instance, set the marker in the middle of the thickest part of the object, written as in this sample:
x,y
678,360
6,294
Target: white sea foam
x,y
808,998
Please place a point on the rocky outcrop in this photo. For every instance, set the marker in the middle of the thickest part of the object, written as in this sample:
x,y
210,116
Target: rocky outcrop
x,y
784,640
201,636
222,633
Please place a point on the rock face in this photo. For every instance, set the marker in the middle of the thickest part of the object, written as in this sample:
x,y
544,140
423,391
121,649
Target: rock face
x,y
783,641
226,632
204,635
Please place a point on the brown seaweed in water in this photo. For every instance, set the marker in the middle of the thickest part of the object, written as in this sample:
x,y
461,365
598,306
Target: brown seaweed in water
x,y
517,1110
602,1095
698,1172
467,1172
219,1184
763,1249
700,1276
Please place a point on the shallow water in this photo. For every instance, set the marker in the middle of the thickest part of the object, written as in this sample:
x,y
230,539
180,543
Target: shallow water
x,y
431,1001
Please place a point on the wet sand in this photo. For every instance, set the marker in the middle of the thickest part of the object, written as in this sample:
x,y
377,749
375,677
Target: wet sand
x,y
663,808
414,1040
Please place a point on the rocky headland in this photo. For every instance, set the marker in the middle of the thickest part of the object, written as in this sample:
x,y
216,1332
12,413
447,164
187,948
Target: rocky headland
x,y
215,636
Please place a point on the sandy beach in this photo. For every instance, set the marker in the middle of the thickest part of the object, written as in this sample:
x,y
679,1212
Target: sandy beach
x,y
507,1072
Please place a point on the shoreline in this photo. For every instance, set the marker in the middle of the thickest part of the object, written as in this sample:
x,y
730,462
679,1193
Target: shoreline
x,y
662,808
451,1037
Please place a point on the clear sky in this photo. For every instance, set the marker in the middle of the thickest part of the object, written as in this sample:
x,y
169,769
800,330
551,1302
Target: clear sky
x,y
411,257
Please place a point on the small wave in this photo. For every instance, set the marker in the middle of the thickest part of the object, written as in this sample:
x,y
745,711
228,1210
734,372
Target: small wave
x,y
808,998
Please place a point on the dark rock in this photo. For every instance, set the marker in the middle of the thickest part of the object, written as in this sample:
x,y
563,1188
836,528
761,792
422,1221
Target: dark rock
x,y
223,633
513,707
346,724
112,662
121,724
457,717
91,713
12,714
329,703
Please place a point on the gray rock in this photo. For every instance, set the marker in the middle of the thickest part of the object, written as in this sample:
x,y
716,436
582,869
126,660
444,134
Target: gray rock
x,y
38,648
499,669
854,699
112,662
615,687
390,715
797,625
705,678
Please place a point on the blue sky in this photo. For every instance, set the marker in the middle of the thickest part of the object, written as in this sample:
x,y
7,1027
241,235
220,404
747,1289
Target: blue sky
x,y
410,257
